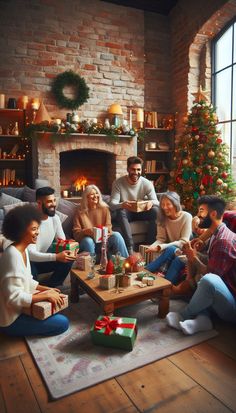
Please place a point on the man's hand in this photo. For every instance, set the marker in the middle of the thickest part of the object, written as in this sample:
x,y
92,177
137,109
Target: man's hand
x,y
149,205
65,256
127,205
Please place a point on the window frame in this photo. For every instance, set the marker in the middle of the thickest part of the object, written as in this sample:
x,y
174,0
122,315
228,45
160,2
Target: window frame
x,y
231,121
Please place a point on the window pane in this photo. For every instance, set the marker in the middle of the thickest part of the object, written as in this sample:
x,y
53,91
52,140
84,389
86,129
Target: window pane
x,y
234,140
234,93
223,95
223,50
224,129
234,42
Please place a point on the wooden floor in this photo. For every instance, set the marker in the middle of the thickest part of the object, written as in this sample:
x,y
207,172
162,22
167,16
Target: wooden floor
x,y
200,379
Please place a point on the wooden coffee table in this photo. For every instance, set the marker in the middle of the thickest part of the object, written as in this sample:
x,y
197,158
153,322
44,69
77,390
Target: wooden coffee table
x,y
109,300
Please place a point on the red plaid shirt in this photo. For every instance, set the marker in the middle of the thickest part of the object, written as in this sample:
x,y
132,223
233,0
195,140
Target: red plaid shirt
x,y
222,256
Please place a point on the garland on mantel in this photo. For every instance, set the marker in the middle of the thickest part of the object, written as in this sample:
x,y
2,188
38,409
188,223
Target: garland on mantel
x,y
85,127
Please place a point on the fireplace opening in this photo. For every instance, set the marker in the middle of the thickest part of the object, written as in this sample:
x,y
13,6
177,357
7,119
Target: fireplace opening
x,y
79,168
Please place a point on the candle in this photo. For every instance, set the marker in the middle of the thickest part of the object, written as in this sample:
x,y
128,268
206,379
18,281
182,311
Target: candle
x,y
127,268
140,115
130,118
35,104
25,101
65,193
2,101
57,121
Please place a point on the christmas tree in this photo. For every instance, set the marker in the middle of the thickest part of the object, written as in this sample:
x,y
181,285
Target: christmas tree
x,y
201,160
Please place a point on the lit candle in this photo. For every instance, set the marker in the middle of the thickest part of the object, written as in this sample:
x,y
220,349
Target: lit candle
x,y
25,101
65,193
140,115
35,104
2,101
127,268
130,118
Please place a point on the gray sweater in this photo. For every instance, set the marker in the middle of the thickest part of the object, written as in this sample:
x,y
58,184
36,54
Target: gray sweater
x,y
123,191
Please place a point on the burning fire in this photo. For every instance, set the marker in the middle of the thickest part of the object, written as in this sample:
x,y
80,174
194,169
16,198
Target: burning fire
x,y
80,183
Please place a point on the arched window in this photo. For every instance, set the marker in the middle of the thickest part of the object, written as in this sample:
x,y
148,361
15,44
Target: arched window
x,y
224,84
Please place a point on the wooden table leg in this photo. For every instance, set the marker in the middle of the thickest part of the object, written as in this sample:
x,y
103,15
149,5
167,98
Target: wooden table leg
x,y
108,309
74,291
164,302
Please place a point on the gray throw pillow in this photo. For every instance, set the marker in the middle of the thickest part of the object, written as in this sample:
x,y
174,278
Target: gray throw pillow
x,y
8,200
68,208
29,194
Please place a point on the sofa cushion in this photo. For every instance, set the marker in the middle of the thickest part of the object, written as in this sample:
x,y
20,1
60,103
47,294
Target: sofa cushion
x,y
6,199
68,208
29,194
15,192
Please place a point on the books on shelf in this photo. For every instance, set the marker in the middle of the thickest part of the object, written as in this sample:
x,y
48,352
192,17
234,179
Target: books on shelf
x,y
159,120
8,175
153,166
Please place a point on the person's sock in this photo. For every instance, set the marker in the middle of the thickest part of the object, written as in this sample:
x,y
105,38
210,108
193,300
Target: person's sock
x,y
173,320
200,323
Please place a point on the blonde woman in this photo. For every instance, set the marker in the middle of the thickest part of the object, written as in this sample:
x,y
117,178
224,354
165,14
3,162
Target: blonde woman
x,y
94,212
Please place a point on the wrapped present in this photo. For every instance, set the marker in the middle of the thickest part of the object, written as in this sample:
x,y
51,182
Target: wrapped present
x,y
107,281
69,245
83,261
124,280
138,206
148,280
145,274
114,332
44,309
99,232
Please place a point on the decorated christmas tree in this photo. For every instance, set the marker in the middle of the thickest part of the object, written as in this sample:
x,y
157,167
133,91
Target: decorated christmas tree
x,y
201,160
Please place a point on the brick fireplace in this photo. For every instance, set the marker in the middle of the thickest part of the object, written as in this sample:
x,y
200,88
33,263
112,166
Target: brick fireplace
x,y
62,159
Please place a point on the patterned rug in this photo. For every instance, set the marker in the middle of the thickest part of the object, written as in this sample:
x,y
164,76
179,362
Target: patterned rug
x,y
71,362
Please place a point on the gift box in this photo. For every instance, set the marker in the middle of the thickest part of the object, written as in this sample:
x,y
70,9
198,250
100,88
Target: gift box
x,y
44,309
69,245
114,332
99,232
107,281
138,206
83,261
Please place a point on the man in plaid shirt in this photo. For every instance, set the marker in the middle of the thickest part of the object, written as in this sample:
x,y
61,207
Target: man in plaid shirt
x,y
217,288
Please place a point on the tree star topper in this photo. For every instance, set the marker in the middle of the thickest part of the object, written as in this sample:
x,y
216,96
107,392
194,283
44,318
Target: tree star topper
x,y
201,95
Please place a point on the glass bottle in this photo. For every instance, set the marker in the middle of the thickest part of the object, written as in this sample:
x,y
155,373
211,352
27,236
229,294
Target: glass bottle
x,y
104,260
15,129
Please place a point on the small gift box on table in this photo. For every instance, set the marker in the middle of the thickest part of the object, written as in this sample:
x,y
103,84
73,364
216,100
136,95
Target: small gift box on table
x,y
114,332
44,309
69,245
107,281
83,261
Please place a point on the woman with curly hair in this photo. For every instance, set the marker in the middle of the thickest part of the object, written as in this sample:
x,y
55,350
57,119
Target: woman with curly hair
x,y
18,289
94,212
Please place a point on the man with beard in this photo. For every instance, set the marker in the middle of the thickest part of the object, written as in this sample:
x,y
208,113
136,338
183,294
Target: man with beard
x,y
134,187
41,258
217,288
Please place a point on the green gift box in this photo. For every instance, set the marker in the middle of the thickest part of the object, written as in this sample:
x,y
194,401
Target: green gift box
x,y
69,245
118,332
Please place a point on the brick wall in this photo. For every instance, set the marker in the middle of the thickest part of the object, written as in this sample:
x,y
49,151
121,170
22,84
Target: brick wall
x,y
104,43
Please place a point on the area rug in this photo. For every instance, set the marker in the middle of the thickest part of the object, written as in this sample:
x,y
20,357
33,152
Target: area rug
x,y
71,362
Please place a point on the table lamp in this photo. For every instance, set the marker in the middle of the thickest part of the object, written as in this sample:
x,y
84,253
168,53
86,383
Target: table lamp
x,y
116,112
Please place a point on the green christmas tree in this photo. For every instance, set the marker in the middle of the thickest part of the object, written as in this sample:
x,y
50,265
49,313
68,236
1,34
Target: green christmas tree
x,y
201,160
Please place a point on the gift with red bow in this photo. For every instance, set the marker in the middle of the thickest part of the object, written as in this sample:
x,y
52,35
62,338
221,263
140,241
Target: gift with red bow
x,y
114,332
69,245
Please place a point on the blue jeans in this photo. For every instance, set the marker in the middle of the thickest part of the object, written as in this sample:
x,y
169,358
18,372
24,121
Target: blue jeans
x,y
115,243
175,265
26,325
211,293
59,271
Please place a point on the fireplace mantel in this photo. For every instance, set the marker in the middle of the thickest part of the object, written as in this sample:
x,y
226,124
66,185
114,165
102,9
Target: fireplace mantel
x,y
50,145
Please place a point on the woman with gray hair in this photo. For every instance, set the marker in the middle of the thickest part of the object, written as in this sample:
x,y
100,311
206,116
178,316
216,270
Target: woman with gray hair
x,y
94,212
174,228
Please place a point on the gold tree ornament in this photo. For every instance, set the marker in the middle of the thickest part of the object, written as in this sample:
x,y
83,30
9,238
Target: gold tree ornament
x,y
201,95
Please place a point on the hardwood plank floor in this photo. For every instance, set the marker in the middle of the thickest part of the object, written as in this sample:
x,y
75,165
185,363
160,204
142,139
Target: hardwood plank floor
x,y
201,379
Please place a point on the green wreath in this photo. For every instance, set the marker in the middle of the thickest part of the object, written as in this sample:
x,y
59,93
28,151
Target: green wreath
x,y
69,78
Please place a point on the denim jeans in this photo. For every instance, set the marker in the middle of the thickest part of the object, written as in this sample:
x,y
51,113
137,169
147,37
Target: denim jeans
x,y
211,293
124,217
115,243
26,325
174,264
59,271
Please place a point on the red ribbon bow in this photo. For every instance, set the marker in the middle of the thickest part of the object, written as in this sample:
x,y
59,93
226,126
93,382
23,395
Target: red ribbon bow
x,y
112,325
63,243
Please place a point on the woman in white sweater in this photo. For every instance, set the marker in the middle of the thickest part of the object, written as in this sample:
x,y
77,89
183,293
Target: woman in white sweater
x,y
18,289
174,228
